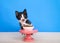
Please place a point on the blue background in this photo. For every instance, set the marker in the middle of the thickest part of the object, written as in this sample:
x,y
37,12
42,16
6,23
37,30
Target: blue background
x,y
44,14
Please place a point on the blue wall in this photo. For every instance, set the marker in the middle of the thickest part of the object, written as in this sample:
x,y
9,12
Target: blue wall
x,y
44,14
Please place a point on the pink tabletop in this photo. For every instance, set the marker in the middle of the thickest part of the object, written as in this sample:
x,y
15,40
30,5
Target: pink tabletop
x,y
28,32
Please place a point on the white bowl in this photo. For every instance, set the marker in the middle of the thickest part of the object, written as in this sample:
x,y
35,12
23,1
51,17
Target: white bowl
x,y
28,28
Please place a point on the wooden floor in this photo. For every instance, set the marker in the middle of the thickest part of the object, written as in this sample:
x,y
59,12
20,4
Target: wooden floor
x,y
40,37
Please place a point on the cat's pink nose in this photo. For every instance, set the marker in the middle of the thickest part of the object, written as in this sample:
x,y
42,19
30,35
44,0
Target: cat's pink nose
x,y
23,19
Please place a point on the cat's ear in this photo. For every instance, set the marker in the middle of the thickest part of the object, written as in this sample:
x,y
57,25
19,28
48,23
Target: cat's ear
x,y
25,12
16,12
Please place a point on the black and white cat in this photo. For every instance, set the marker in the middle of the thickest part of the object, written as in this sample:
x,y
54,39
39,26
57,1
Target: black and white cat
x,y
23,18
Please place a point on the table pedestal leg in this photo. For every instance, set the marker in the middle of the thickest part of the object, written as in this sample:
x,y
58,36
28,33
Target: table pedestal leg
x,y
28,37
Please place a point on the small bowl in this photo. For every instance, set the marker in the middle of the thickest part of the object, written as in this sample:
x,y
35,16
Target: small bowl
x,y
28,28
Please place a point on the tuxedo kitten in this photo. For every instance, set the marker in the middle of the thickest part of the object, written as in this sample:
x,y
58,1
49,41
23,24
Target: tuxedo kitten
x,y
23,19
